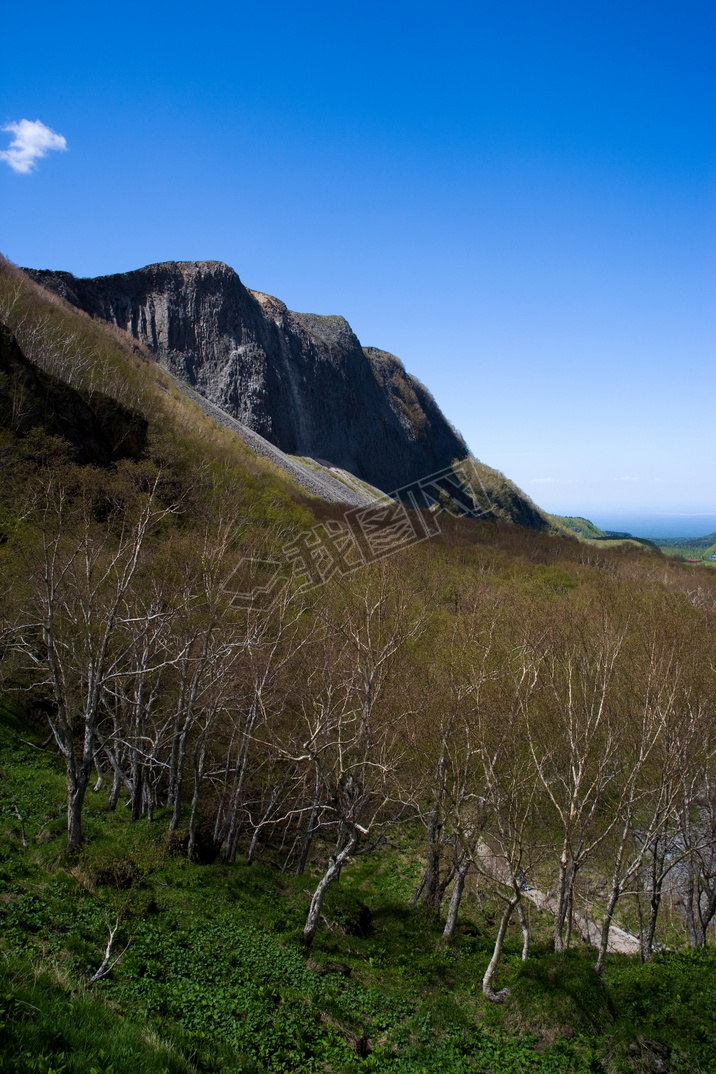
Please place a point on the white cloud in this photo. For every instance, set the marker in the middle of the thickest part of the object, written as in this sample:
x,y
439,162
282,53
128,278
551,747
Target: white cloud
x,y
627,478
32,141
543,480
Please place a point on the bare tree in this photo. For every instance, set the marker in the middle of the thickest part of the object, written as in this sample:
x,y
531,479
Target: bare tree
x,y
648,783
73,638
510,796
351,728
574,745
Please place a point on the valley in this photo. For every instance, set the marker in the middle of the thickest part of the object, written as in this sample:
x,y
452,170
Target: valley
x,y
299,775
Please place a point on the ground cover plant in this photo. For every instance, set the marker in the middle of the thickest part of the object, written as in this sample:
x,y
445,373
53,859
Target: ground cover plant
x,y
215,976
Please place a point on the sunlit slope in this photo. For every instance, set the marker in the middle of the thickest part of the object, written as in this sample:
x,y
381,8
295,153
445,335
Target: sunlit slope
x,y
370,389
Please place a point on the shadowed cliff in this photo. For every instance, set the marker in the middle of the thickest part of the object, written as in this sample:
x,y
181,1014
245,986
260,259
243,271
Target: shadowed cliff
x,y
302,381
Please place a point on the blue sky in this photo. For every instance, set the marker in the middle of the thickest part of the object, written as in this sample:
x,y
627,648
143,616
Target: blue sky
x,y
517,198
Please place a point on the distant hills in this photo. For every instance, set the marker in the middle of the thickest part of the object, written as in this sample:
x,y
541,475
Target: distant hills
x,y
696,548
683,542
581,526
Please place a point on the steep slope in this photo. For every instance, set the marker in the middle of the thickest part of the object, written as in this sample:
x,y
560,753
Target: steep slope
x,y
97,429
302,381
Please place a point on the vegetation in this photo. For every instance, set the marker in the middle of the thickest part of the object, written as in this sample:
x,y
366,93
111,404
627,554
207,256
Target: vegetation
x,y
453,811
214,977
698,548
581,526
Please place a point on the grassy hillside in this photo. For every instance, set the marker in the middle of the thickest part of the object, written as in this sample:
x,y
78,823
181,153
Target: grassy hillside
x,y
213,976
581,526
587,531
183,773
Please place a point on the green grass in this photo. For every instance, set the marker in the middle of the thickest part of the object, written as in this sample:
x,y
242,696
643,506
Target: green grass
x,y
581,526
214,977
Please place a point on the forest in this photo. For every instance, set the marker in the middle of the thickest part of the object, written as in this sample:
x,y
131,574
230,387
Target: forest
x,y
497,746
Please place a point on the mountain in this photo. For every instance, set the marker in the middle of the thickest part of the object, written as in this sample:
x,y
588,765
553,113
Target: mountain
x,y
302,381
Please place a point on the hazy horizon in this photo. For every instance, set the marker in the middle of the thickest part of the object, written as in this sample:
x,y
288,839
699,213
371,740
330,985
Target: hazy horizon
x,y
686,526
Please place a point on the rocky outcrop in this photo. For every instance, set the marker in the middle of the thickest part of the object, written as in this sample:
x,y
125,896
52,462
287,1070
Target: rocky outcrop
x,y
302,381
329,483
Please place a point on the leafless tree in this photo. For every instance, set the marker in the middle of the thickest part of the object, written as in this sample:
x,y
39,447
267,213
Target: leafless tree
x,y
574,744
72,638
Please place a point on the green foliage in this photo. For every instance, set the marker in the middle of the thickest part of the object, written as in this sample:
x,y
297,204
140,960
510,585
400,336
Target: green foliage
x,y
211,974
581,526
214,977
672,999
693,544
50,1025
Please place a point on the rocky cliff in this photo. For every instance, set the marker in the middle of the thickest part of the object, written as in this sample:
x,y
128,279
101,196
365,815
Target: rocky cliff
x,y
302,381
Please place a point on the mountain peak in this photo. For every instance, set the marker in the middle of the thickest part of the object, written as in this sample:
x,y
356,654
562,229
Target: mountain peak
x,y
301,380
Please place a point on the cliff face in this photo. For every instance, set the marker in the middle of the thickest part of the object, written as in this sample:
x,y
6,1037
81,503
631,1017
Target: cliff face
x,y
302,381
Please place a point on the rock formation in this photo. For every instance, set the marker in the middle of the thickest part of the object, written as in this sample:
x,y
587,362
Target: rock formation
x,y
302,381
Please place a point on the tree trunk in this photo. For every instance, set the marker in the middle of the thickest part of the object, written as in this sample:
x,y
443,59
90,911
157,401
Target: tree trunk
x,y
262,824
177,778
418,891
100,777
232,828
432,893
150,788
647,941
431,890
487,990
707,913
199,759
689,909
562,901
525,926
137,788
456,899
218,823
606,924
116,788
569,914
335,864
77,781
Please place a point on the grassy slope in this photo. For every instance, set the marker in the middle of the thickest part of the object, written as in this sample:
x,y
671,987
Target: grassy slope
x,y
214,977
581,526
180,434
587,531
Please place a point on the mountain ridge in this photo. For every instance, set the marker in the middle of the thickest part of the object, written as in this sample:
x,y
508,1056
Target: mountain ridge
x,y
302,381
